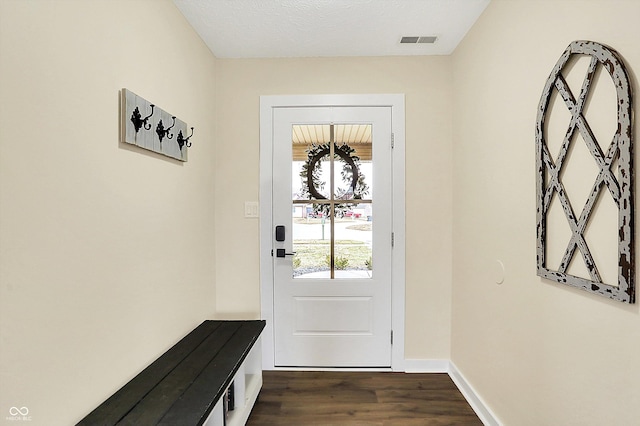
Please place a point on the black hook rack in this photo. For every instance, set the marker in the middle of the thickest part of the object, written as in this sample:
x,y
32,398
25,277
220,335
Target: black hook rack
x,y
147,125
184,141
162,132
138,121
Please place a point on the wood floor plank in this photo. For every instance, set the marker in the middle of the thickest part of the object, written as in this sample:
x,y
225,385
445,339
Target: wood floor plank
x,y
419,395
360,398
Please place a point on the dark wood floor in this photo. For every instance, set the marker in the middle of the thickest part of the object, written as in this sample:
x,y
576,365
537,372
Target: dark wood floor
x,y
360,398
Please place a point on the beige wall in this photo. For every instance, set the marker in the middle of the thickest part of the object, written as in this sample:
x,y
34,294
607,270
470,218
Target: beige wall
x,y
106,254
537,352
426,82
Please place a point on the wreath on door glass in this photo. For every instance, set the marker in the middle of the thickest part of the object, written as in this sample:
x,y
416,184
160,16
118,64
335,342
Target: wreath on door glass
x,y
311,175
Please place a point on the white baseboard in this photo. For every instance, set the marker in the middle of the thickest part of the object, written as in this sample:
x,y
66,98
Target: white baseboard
x,y
482,410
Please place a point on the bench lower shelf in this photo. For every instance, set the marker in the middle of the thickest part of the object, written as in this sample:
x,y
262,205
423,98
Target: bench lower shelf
x,y
247,384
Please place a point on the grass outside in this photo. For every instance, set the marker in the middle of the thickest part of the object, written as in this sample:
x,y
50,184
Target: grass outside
x,y
313,253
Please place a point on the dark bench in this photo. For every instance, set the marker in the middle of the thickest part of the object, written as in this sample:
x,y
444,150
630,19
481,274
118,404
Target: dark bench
x,y
186,382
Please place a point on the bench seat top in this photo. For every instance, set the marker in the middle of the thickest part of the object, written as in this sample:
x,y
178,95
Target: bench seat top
x,y
184,384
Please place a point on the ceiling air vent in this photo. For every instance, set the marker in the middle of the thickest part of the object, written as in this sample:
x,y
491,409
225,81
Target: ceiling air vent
x,y
416,40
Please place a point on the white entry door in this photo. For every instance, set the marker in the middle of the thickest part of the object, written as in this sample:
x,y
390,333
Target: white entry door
x,y
332,236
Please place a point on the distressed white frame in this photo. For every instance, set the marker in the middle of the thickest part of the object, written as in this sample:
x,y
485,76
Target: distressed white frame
x,y
619,186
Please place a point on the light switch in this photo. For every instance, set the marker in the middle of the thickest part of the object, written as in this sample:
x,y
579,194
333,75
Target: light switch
x,y
251,209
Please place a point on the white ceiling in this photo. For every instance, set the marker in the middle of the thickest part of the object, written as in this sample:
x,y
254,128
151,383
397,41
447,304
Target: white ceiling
x,y
308,28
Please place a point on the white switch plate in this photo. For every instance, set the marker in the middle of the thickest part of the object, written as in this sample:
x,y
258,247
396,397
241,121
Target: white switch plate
x,y
251,209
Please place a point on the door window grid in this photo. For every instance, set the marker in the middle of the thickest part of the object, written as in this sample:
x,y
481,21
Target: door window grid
x,y
337,249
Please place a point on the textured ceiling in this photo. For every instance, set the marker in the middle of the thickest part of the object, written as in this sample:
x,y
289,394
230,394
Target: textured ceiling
x,y
309,28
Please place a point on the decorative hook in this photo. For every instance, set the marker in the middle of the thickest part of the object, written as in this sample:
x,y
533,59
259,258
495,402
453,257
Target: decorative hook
x,y
138,121
184,141
162,132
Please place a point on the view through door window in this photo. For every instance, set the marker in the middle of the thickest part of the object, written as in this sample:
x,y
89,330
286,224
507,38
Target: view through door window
x,y
332,195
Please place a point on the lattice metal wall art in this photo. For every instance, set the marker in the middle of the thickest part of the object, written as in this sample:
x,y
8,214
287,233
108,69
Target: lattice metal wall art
x,y
614,177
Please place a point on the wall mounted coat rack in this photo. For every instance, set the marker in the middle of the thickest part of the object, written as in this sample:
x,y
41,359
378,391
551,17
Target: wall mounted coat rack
x,y
149,127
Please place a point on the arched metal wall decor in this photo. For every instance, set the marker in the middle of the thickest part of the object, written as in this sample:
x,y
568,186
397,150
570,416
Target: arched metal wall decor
x,y
619,185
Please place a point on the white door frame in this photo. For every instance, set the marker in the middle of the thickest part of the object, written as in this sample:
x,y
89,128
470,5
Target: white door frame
x,y
267,104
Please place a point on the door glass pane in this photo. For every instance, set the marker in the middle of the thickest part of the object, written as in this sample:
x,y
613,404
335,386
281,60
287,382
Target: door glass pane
x,y
310,165
353,243
351,153
331,190
311,242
